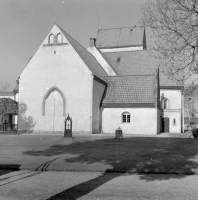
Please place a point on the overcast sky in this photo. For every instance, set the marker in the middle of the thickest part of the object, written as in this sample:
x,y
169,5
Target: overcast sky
x,y
25,24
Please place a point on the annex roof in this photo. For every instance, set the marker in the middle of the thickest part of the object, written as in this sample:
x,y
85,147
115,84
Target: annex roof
x,y
135,63
87,57
120,37
132,89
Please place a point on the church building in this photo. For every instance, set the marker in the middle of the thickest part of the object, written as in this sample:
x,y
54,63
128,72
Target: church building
x,y
115,83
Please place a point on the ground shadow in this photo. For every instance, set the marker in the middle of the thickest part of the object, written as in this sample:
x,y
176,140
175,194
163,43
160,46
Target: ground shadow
x,y
25,123
8,168
144,155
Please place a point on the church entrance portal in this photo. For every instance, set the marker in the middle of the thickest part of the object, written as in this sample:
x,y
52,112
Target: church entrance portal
x,y
54,111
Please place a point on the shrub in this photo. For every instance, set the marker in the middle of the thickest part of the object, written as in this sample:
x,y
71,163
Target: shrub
x,y
195,132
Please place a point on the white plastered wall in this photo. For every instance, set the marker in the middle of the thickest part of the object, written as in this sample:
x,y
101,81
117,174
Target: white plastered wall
x,y
174,108
60,66
143,120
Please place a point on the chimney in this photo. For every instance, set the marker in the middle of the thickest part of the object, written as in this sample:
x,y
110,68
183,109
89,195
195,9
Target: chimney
x,y
92,42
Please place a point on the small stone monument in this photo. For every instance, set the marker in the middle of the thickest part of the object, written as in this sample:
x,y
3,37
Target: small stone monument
x,y
118,134
68,127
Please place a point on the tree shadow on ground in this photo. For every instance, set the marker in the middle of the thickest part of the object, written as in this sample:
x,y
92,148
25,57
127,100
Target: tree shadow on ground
x,y
144,155
8,168
26,123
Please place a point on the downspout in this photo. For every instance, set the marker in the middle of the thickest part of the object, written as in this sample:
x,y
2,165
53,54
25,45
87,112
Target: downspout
x,y
182,112
91,109
101,109
157,100
101,130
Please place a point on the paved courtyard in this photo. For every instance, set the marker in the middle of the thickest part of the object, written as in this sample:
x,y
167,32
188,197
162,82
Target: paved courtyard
x,y
166,153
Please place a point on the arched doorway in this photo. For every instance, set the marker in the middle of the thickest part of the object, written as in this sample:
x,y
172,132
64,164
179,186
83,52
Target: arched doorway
x,y
54,109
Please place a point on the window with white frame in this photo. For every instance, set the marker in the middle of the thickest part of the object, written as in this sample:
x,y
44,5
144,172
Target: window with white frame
x,y
126,117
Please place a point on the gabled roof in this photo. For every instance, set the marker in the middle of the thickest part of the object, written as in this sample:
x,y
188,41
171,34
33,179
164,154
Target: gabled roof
x,y
132,89
120,37
87,57
135,63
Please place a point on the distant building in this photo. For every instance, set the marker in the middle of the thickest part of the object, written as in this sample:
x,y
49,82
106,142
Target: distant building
x,y
8,107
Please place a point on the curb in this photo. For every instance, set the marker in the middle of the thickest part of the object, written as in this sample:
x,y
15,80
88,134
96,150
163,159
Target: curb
x,y
13,167
179,172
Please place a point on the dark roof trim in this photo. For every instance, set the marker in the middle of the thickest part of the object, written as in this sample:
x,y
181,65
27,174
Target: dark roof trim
x,y
178,87
99,80
128,105
6,93
118,47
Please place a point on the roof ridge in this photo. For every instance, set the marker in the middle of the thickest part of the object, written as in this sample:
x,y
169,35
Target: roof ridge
x,y
121,27
144,50
132,75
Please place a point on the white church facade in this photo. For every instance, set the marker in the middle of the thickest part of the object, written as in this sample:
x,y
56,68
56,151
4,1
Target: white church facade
x,y
100,88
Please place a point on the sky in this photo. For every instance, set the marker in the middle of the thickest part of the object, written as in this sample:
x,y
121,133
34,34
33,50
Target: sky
x,y
25,24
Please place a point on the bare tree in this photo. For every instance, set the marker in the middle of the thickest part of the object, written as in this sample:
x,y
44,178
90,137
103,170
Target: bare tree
x,y
175,29
191,101
4,86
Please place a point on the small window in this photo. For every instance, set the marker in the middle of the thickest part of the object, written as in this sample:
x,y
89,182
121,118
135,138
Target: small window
x,y
118,60
174,121
126,117
51,39
165,103
59,38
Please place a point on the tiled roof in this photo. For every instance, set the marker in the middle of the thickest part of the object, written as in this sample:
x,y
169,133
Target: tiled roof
x,y
135,63
6,94
87,57
118,37
135,89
